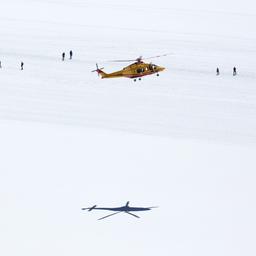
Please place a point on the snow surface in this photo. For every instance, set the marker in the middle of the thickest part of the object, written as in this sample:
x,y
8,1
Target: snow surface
x,y
184,141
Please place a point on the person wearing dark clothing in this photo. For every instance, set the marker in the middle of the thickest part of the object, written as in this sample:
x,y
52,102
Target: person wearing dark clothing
x,y
217,71
70,54
0,64
21,65
234,71
63,56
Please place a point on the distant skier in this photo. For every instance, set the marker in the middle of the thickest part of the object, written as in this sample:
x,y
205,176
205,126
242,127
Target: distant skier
x,y
234,71
21,65
0,64
70,54
63,56
217,71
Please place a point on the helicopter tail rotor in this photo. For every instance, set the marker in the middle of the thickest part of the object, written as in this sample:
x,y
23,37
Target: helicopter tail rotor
x,y
99,71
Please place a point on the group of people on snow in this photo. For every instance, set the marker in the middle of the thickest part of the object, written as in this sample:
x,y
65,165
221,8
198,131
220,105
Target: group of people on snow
x,y
70,55
21,65
63,58
234,71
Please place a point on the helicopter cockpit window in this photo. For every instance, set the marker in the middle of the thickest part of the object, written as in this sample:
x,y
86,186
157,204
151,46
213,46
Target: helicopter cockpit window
x,y
152,67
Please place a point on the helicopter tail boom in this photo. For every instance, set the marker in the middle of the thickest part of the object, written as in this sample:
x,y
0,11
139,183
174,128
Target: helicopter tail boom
x,y
101,73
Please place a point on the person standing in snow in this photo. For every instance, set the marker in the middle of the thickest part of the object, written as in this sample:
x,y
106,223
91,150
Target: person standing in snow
x,y
234,71
70,54
63,56
0,64
21,65
217,71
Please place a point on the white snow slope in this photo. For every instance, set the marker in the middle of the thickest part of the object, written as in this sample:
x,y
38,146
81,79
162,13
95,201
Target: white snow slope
x,y
185,141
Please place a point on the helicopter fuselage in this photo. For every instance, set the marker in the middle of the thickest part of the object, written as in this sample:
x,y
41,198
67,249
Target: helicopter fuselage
x,y
135,70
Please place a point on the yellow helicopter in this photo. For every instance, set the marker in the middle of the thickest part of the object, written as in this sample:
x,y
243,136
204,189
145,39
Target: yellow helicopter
x,y
136,70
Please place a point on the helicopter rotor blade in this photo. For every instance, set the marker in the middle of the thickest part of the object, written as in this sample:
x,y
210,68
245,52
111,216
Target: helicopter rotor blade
x,y
157,56
122,60
140,58
137,59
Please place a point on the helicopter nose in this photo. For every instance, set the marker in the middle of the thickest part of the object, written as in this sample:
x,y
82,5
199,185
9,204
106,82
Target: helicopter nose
x,y
161,68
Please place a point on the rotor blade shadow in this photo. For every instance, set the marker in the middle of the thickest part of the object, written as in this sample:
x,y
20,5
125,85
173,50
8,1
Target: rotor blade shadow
x,y
108,216
133,214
